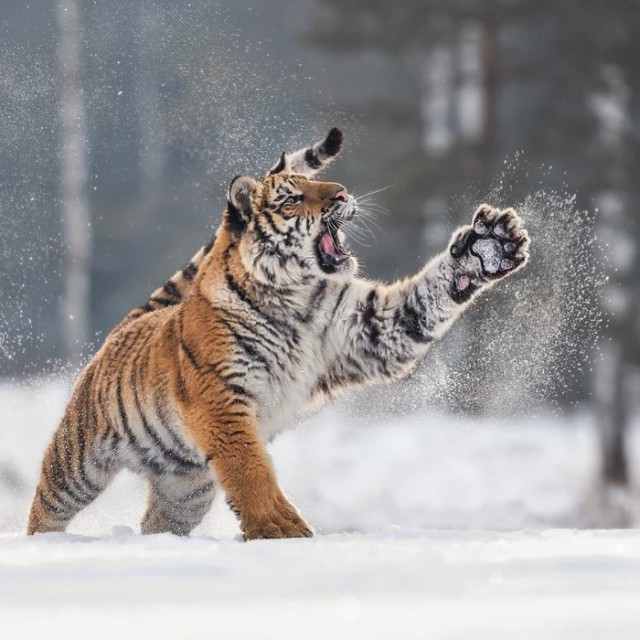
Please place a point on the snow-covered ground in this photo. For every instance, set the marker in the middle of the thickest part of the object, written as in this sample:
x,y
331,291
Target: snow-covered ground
x,y
430,527
402,584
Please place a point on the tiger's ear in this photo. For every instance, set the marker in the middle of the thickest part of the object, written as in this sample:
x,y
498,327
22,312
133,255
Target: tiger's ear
x,y
239,208
313,159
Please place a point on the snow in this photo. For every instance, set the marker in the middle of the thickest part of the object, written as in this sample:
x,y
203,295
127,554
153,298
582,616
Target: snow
x,y
428,526
401,584
347,470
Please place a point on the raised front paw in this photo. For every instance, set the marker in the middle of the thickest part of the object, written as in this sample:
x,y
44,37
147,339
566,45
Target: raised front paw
x,y
282,521
496,238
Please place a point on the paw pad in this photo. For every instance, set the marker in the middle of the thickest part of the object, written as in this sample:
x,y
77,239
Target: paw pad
x,y
481,228
490,253
499,230
497,239
462,282
506,264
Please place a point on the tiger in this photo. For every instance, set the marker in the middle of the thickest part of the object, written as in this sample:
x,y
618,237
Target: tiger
x,y
269,321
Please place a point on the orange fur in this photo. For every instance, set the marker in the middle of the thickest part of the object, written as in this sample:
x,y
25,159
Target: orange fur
x,y
266,321
179,354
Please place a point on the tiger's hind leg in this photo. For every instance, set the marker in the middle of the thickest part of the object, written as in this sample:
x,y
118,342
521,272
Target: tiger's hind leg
x,y
178,503
75,470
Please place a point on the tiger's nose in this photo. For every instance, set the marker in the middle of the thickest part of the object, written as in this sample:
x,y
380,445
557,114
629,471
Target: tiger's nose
x,y
342,195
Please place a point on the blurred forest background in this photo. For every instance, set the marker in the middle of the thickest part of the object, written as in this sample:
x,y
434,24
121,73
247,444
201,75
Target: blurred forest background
x,y
122,123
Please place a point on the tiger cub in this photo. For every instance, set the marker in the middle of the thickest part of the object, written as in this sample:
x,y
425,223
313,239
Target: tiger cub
x,y
267,321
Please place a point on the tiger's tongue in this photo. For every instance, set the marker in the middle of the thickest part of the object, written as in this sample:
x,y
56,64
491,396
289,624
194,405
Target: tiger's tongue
x,y
328,246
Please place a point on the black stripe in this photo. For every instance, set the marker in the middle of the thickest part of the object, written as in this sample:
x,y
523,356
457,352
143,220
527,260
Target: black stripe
x,y
50,507
66,483
332,315
370,319
189,272
62,473
280,166
141,451
190,356
89,418
262,235
241,391
255,357
369,310
57,492
410,321
166,424
272,223
171,289
272,348
163,302
200,491
167,453
240,291
252,329
311,158
247,346
315,301
185,456
232,376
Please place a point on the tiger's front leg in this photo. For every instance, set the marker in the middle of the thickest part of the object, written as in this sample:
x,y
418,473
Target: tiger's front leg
x,y
492,247
244,469
386,329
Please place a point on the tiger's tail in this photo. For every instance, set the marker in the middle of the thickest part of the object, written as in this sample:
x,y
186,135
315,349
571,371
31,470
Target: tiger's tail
x,y
308,161
311,160
175,289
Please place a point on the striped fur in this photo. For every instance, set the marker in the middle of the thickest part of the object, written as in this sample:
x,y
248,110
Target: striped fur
x,y
272,321
308,162
311,160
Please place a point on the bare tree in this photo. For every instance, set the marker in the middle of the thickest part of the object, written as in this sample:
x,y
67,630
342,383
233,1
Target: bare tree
x,y
73,157
152,151
611,106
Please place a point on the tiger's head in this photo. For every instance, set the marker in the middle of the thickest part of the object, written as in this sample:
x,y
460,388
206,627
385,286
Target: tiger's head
x,y
289,226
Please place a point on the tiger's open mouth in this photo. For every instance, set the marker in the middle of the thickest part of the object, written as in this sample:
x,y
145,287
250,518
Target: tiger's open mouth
x,y
332,253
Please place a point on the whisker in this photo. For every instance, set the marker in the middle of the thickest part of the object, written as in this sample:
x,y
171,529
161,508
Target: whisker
x,y
374,206
369,219
364,195
362,229
370,209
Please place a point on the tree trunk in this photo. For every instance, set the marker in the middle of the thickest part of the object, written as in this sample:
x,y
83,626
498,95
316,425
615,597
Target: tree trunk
x,y
613,416
75,208
612,109
152,151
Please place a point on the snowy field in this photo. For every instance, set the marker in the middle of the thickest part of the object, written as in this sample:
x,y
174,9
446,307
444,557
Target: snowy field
x,y
402,584
429,527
